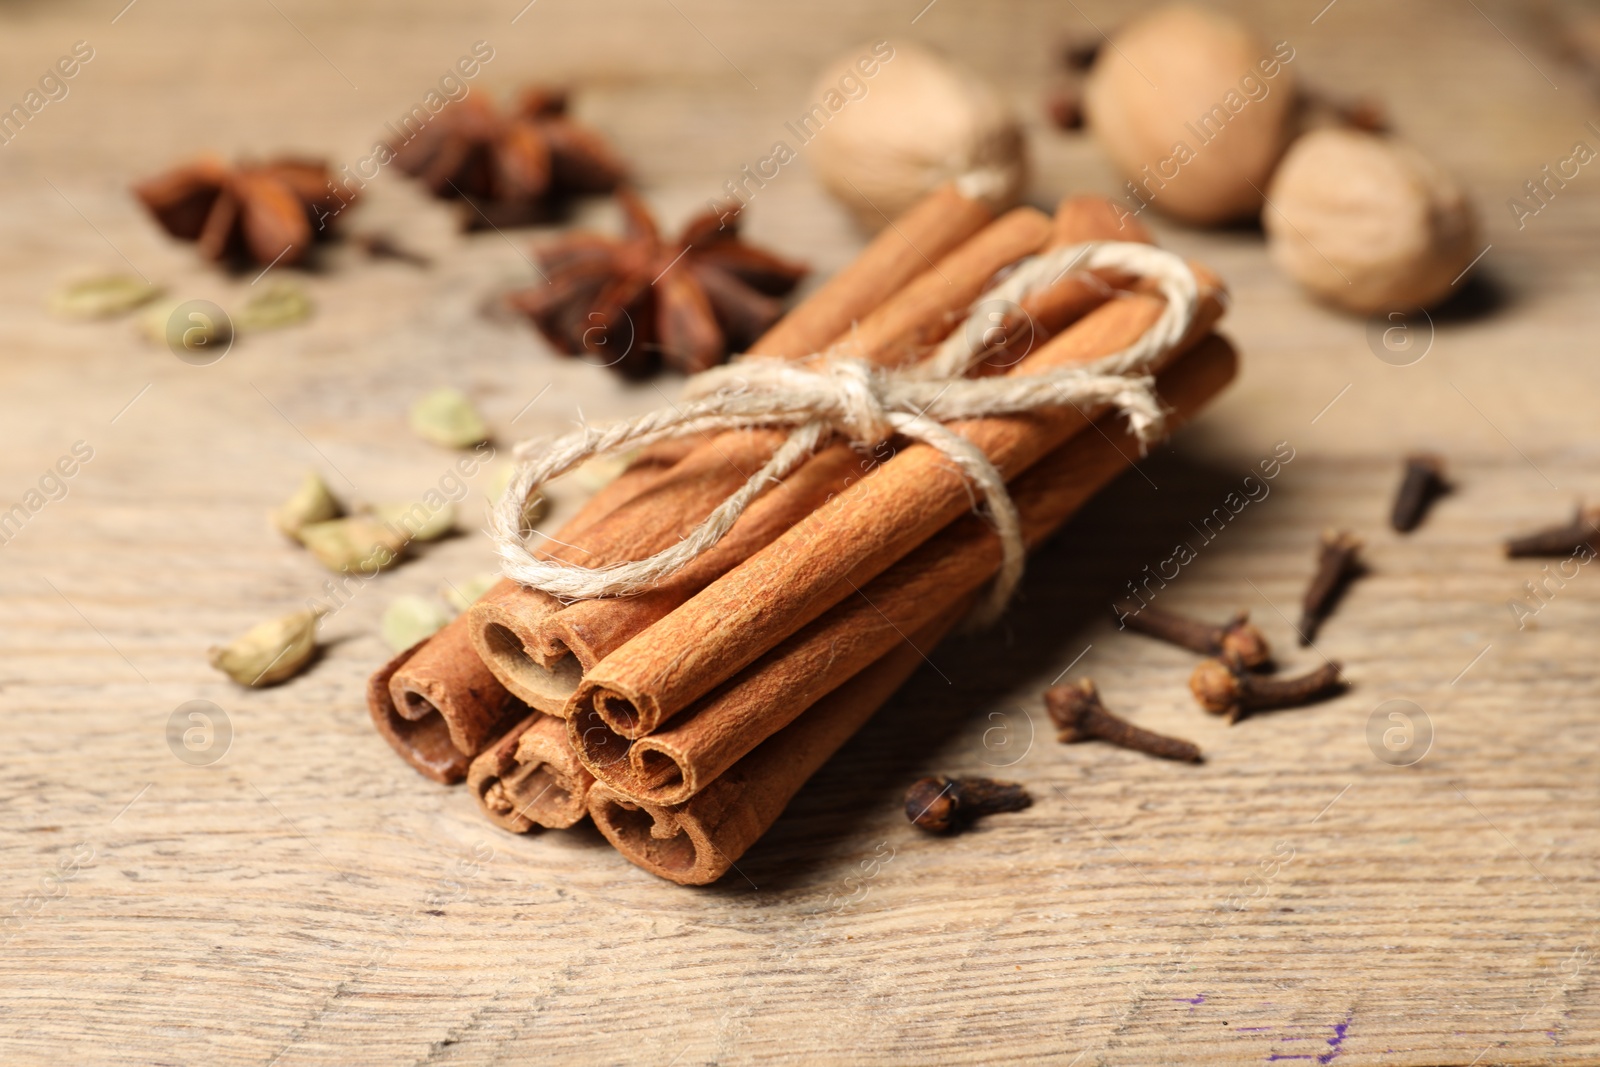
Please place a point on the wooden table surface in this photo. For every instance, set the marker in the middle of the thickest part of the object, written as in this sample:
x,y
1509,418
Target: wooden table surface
x,y
307,899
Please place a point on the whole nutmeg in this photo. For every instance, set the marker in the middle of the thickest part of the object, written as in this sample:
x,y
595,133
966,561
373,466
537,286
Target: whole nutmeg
x,y
1367,223
880,141
1194,110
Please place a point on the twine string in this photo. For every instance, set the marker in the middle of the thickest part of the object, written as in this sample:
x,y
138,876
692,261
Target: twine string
x,y
828,394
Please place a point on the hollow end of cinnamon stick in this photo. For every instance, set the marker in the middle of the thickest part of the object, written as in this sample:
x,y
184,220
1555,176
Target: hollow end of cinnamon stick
x,y
503,627
656,839
531,778
444,677
493,778
422,742
642,769
630,715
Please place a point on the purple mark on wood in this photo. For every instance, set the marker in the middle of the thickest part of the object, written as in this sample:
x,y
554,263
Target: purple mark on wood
x,y
1336,1040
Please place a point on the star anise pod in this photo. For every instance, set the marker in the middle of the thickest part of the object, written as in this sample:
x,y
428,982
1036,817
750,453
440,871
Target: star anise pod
x,y
635,302
266,213
512,168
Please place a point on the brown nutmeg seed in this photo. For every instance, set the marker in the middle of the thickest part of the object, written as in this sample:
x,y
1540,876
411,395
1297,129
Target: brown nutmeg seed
x,y
1194,109
1366,223
916,122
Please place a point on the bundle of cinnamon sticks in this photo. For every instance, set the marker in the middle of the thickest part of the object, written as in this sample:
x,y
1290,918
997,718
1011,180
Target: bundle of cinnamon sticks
x,y
683,719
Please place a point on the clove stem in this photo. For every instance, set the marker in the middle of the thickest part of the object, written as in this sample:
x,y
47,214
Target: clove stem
x,y
1422,483
1223,687
1337,562
940,805
1079,715
1237,637
1569,537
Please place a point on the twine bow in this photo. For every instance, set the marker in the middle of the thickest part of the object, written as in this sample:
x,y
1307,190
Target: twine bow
x,y
827,394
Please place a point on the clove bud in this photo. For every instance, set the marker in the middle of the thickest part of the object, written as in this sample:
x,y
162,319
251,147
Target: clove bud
x,y
1337,562
1237,637
1224,687
1582,530
1422,483
940,805
1080,716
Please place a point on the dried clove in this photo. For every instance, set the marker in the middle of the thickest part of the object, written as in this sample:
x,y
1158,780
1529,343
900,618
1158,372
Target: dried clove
x,y
1236,637
1079,54
1421,485
1064,105
941,805
1582,530
1080,716
1224,687
1337,563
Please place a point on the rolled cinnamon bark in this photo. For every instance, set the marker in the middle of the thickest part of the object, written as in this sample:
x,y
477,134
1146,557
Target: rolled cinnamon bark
x,y
932,304
1107,221
859,533
698,842
497,615
540,649
918,239
445,677
436,703
589,630
1043,314
684,757
531,777
424,743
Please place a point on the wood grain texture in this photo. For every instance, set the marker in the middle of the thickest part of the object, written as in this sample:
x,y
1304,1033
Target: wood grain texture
x,y
308,899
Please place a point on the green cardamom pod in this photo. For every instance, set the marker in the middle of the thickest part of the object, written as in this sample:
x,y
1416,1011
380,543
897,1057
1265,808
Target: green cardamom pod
x,y
418,522
410,618
462,595
446,417
271,651
101,297
312,502
362,543
283,303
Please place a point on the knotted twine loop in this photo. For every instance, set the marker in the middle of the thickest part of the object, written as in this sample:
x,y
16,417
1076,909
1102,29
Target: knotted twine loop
x,y
829,393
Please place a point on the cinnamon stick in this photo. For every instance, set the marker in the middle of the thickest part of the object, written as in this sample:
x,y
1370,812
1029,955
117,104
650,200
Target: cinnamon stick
x,y
1044,313
540,649
693,749
698,842
917,240
531,777
856,535
436,703
925,311
1107,220
497,615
